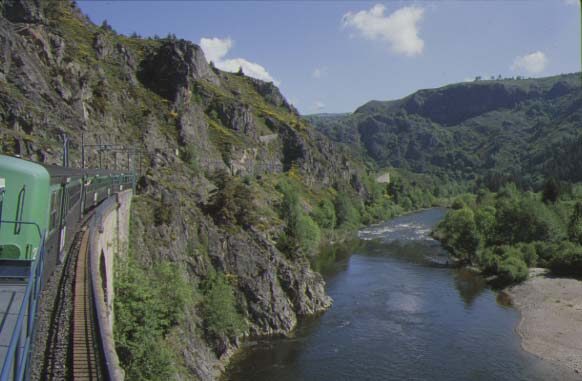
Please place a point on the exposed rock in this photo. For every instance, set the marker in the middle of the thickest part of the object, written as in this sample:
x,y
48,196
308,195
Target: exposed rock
x,y
272,94
23,11
171,70
102,45
237,117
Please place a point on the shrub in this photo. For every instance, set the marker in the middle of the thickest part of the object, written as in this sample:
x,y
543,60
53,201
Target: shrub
x,y
512,270
221,316
551,191
147,305
307,234
190,157
529,254
458,204
347,214
301,234
233,203
489,260
324,214
567,260
485,222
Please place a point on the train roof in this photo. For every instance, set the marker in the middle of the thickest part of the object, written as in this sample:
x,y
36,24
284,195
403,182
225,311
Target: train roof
x,y
56,173
16,165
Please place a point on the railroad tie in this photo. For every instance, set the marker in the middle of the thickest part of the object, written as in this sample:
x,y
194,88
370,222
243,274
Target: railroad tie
x,y
85,356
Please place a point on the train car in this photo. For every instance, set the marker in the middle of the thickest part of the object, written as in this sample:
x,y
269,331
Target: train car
x,y
24,210
41,199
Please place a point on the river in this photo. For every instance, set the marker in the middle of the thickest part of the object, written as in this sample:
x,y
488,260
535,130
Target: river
x,y
399,313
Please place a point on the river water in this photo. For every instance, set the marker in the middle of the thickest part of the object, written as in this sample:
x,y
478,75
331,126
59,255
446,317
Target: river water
x,y
399,313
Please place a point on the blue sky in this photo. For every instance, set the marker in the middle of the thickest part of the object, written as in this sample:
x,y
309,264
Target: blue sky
x,y
334,56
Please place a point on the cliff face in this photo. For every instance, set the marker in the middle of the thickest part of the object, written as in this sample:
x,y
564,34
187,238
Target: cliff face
x,y
197,126
468,129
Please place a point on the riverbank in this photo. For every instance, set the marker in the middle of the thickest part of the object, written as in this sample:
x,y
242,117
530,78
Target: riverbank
x,y
551,319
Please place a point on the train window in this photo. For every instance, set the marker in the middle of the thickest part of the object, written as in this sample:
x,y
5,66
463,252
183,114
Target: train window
x,y
2,185
19,209
54,217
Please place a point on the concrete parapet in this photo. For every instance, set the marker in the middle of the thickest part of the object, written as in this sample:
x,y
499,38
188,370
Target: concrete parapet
x,y
108,239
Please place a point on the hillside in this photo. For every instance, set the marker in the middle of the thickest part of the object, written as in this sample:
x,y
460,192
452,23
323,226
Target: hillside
x,y
234,193
519,129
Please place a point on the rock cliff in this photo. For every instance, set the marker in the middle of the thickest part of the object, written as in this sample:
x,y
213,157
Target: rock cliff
x,y
197,128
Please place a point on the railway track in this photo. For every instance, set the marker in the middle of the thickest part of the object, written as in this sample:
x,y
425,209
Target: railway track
x,y
86,358
72,346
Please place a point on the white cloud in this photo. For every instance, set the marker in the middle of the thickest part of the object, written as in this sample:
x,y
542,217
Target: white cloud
x,y
399,29
533,63
319,72
319,105
215,49
572,2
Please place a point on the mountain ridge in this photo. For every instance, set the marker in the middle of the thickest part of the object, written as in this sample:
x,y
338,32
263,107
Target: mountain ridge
x,y
463,128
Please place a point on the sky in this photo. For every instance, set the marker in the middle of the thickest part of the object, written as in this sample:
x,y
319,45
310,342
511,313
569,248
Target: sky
x,y
329,56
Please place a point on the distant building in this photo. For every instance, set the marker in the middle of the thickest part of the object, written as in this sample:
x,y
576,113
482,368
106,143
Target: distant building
x,y
383,178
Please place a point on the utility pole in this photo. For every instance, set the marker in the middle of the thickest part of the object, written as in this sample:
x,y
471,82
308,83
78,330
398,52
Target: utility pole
x,y
82,150
65,150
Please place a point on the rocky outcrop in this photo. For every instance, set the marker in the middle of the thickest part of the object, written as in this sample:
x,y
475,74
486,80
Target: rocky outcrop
x,y
23,11
454,104
171,69
272,95
238,117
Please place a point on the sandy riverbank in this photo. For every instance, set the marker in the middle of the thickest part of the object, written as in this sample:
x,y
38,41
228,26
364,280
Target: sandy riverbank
x,y
551,319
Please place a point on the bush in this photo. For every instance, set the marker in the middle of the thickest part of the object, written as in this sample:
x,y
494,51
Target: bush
x,y
529,254
458,204
489,260
190,157
307,234
347,214
301,234
512,270
147,305
567,260
219,307
485,222
551,191
233,203
324,214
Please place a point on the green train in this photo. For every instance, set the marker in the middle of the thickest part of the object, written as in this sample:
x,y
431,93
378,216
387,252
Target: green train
x,y
39,200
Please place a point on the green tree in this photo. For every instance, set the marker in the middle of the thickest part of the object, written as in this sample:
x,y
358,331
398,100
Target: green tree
x,y
346,212
147,305
512,269
301,234
551,190
234,202
460,233
221,316
485,223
